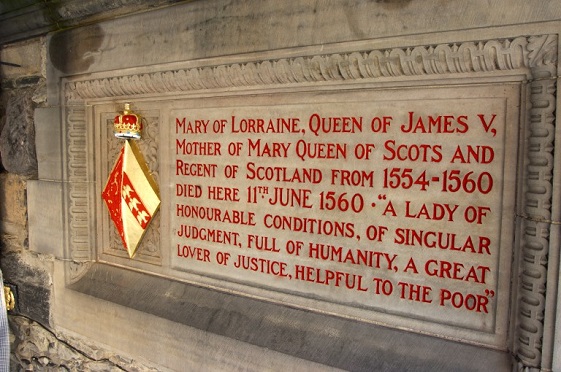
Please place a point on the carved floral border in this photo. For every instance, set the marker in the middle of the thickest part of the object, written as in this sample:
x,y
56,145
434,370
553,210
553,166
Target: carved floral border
x,y
532,55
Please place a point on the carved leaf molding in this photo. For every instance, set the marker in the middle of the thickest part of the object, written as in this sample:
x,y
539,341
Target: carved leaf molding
x,y
453,58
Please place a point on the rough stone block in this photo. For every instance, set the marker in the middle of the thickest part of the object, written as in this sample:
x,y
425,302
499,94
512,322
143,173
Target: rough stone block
x,y
32,340
13,208
17,138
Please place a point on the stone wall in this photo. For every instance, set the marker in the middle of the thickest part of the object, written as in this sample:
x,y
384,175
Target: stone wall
x,y
35,345
23,89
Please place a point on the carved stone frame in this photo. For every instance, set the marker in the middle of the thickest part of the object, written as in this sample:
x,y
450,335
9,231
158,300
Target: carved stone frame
x,y
532,56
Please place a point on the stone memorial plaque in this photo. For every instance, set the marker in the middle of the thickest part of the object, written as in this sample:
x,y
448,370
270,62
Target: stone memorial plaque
x,y
349,200
382,205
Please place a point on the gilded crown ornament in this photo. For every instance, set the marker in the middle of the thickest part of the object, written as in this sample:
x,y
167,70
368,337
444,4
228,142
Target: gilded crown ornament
x,y
128,125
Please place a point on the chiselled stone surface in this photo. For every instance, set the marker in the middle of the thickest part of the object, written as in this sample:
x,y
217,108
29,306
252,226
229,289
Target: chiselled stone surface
x,y
17,138
208,29
40,16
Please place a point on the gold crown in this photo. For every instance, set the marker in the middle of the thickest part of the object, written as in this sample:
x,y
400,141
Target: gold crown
x,y
128,125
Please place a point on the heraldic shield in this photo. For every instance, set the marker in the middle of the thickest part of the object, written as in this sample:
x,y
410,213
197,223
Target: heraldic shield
x,y
132,196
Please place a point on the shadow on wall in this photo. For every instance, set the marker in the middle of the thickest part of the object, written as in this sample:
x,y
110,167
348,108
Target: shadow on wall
x,y
74,51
